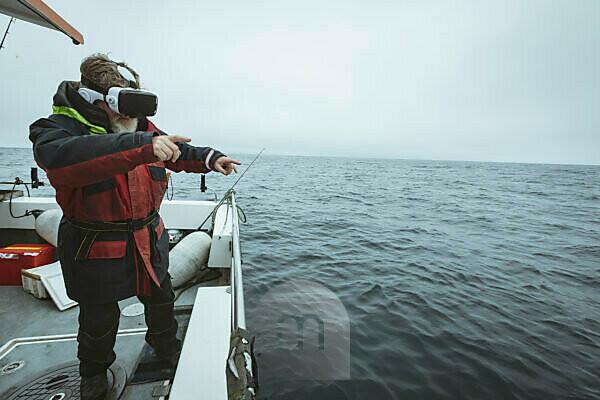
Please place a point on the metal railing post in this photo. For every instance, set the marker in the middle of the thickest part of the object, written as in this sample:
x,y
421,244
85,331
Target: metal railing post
x,y
237,285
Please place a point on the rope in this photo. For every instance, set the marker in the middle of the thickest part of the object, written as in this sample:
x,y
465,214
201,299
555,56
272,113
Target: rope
x,y
242,215
27,213
226,199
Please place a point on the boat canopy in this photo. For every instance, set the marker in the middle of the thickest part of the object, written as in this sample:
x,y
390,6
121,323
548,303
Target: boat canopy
x,y
39,13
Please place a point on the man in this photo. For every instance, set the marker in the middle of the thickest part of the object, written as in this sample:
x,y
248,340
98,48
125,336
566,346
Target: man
x,y
107,162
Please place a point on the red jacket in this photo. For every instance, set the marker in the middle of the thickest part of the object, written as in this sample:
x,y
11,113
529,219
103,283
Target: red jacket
x,y
107,177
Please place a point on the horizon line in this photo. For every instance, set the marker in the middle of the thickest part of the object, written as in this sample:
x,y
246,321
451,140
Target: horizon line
x,y
398,158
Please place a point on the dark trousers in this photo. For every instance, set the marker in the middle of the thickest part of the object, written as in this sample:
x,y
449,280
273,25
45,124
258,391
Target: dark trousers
x,y
99,323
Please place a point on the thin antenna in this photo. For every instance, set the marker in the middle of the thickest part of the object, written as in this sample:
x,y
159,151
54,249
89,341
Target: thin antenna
x,y
227,193
247,168
12,20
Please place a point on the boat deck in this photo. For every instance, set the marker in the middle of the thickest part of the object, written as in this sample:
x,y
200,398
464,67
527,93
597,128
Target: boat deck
x,y
36,338
52,339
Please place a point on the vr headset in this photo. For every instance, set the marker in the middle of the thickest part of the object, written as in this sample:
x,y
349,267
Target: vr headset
x,y
129,101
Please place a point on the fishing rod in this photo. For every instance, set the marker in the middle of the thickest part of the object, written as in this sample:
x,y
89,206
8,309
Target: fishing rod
x,y
230,190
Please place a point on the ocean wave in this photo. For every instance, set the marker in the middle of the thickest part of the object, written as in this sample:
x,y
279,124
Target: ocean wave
x,y
460,280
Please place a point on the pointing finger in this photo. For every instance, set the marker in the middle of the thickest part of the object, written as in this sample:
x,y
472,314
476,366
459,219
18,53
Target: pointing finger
x,y
218,168
176,138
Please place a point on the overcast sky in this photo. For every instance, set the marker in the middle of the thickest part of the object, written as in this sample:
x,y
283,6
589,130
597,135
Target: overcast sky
x,y
466,80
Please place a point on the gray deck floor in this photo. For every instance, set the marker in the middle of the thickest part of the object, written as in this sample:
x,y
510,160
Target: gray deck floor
x,y
22,315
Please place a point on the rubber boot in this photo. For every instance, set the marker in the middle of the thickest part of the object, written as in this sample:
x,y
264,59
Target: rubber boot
x,y
93,387
172,357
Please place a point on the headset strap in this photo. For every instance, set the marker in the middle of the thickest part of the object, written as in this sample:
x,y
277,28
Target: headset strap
x,y
91,85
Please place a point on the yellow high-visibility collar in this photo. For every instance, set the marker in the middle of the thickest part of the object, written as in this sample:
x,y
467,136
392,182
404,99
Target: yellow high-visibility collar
x,y
73,113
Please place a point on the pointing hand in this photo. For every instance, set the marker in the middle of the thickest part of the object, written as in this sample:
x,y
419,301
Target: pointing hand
x,y
226,165
165,148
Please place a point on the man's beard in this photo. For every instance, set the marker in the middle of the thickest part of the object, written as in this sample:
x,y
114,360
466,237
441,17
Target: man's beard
x,y
122,124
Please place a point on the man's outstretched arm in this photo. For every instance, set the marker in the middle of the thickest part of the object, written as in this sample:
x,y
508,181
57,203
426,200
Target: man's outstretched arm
x,y
180,156
82,160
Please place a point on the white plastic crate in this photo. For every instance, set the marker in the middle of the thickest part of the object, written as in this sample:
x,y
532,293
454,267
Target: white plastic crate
x,y
32,283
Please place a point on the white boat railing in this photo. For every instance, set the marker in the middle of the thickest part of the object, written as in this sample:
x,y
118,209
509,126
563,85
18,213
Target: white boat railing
x,y
238,313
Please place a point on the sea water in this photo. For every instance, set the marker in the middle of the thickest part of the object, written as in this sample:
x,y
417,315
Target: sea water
x,y
405,279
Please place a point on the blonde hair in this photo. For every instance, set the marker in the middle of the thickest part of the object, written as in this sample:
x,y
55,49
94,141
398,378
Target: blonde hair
x,y
104,72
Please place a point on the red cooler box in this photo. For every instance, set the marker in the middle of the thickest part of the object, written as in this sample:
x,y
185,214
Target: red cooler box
x,y
16,257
